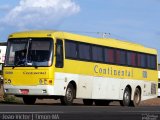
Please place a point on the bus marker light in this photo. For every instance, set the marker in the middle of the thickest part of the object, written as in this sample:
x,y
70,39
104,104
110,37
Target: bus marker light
x,y
50,81
40,81
49,35
65,79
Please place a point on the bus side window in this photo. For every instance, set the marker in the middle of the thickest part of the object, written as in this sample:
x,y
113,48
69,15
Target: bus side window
x,y
59,54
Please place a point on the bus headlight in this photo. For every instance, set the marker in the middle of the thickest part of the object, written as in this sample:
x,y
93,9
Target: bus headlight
x,y
7,81
45,82
41,82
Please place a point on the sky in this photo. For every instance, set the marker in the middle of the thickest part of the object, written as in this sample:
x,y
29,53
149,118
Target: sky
x,y
130,20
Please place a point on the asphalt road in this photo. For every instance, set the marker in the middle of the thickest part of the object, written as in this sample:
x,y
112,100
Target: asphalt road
x,y
77,112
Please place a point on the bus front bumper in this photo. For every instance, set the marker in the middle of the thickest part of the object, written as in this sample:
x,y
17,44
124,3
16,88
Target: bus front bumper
x,y
29,90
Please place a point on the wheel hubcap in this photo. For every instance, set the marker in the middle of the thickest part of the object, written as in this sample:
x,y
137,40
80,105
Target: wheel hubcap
x,y
69,94
126,97
137,98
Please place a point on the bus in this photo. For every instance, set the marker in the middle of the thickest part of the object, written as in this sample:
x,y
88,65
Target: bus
x,y
67,66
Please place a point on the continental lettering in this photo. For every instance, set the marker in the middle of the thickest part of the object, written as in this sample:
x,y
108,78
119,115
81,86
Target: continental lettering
x,y
111,71
34,73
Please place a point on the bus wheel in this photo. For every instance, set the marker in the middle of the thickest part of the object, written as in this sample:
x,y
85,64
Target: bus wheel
x,y
88,101
126,97
101,102
69,96
29,100
137,98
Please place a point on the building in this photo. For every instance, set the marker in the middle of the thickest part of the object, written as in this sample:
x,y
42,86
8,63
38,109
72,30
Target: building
x,y
3,46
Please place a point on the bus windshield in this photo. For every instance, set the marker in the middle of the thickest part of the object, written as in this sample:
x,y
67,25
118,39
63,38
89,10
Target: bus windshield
x,y
29,52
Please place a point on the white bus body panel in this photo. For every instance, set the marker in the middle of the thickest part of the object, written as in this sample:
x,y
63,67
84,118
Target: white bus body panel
x,y
88,87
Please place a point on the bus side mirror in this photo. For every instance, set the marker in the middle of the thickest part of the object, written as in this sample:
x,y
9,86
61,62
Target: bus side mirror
x,y
59,54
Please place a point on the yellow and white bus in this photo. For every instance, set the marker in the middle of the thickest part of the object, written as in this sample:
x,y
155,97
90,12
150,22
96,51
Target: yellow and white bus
x,y
66,66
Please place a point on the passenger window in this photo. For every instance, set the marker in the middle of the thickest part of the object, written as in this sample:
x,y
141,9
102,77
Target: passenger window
x,y
59,54
97,53
131,59
71,49
142,61
151,61
109,55
84,51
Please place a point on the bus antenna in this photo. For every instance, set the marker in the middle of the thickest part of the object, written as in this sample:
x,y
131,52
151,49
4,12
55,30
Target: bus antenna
x,y
104,35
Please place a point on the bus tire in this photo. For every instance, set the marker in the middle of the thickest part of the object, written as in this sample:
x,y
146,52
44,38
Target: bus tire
x,y
69,96
126,97
87,101
137,98
29,100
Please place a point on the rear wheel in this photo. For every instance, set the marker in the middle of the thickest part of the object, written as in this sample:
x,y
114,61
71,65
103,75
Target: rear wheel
x,y
137,98
29,100
88,101
126,97
69,96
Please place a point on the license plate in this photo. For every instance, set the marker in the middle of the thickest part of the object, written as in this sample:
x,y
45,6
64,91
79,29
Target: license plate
x,y
24,91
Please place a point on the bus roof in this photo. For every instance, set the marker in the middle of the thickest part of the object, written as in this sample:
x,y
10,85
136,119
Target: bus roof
x,y
81,38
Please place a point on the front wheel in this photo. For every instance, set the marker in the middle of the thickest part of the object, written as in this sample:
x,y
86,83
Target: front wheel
x,y
29,100
126,97
69,95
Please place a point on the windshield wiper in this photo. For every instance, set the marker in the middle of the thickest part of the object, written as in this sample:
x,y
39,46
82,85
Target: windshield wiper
x,y
31,65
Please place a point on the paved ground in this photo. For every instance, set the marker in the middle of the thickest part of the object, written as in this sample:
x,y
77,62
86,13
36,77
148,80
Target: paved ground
x,y
150,102
78,112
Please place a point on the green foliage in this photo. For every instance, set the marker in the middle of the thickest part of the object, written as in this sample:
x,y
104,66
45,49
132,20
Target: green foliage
x,y
10,99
